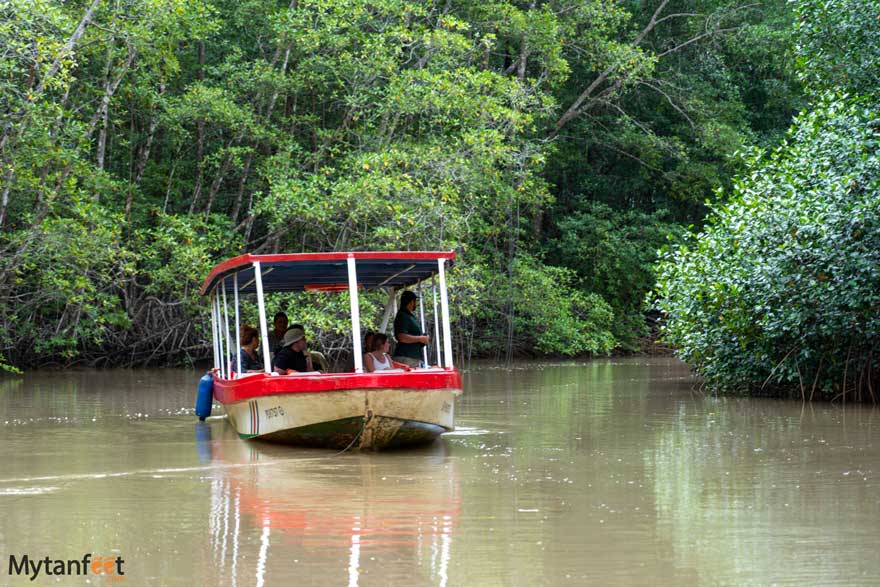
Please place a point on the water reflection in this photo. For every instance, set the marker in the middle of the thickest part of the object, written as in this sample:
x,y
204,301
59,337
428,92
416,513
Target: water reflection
x,y
742,485
311,509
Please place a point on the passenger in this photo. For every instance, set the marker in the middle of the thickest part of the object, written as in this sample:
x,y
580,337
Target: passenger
x,y
378,358
279,327
292,356
368,342
319,361
409,335
250,342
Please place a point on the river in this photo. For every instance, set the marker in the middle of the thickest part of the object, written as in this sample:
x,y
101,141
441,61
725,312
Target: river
x,y
617,472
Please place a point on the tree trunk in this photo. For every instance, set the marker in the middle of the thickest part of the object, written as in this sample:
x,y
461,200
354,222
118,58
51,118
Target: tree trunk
x,y
100,112
109,91
168,189
145,155
249,225
200,137
7,187
236,209
218,180
524,53
102,135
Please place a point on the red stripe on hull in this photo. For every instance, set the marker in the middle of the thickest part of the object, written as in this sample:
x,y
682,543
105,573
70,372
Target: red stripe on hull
x,y
227,392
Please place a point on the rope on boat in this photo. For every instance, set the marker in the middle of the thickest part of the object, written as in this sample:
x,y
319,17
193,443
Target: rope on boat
x,y
367,419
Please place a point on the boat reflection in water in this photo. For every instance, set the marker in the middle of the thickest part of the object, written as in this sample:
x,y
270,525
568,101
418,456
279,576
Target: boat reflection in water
x,y
280,516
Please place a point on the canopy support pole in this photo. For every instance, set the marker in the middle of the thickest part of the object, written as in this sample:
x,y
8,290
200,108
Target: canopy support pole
x,y
355,316
422,315
220,334
444,308
226,328
436,322
237,329
261,305
214,331
389,307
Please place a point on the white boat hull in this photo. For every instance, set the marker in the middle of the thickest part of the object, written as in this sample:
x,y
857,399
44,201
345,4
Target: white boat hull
x,y
357,418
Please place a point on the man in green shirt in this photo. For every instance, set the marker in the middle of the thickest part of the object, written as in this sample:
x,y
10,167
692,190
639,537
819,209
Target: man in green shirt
x,y
409,335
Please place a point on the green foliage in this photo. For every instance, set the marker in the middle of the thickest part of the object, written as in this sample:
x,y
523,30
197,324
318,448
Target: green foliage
x,y
838,45
663,138
66,273
178,252
613,253
4,366
553,317
782,285
174,133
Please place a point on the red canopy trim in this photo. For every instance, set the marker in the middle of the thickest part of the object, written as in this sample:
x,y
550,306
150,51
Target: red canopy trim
x,y
245,261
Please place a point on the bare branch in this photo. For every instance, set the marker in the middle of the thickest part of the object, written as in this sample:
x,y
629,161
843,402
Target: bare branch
x,y
575,107
678,15
695,39
671,102
651,23
641,162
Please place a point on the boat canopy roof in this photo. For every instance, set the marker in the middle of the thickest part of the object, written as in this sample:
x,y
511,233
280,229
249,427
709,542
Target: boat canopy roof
x,y
327,271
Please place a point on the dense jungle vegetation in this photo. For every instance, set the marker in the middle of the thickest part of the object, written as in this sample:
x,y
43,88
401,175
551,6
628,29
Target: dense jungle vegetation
x,y
780,294
555,144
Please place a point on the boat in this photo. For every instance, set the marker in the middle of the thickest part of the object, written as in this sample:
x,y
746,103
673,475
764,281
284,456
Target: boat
x,y
356,409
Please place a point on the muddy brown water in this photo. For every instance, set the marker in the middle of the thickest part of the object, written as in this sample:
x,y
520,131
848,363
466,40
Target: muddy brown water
x,y
608,472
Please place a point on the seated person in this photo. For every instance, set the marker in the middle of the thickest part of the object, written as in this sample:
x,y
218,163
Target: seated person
x,y
378,358
410,338
250,342
276,335
319,361
293,356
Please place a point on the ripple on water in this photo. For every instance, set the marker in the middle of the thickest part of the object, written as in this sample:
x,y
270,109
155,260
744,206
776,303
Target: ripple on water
x,y
27,490
464,431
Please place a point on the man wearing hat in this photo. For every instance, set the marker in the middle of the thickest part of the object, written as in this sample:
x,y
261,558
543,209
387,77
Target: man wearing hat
x,y
292,356
409,335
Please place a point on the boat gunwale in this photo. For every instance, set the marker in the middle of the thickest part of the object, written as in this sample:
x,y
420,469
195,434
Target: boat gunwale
x,y
228,391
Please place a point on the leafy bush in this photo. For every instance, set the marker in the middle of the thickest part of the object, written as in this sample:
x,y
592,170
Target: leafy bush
x,y
64,278
839,44
783,285
551,316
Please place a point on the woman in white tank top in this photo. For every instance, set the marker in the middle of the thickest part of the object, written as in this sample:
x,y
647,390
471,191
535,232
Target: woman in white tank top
x,y
378,358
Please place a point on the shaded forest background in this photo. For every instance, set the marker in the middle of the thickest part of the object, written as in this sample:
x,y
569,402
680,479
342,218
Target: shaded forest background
x,y
556,145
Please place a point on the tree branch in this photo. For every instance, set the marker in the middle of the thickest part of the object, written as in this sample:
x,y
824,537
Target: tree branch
x,y
695,39
671,102
577,107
